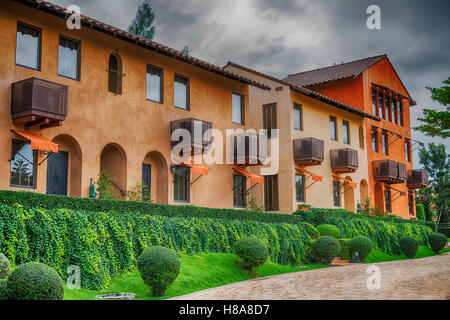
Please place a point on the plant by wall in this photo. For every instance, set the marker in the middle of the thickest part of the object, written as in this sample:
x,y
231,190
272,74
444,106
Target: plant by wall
x,y
105,187
141,192
252,202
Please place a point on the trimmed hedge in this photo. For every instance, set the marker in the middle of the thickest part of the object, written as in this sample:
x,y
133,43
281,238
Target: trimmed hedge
x,y
311,230
327,248
329,230
438,241
252,251
104,245
345,249
362,245
385,233
420,212
409,246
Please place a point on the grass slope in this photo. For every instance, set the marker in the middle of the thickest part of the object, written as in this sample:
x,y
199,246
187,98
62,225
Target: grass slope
x,y
423,252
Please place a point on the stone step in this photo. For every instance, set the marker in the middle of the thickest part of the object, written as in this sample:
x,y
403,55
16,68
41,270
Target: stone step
x,y
339,262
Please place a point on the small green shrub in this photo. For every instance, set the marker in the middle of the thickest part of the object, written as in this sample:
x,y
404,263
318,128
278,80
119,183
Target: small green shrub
x,y
329,230
34,281
311,230
409,246
362,245
345,249
438,241
420,212
2,290
4,266
159,267
252,251
326,248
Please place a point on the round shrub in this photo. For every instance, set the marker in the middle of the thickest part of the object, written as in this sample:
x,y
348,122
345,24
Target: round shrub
x,y
159,267
329,230
409,246
362,245
252,251
326,248
311,230
438,241
34,281
4,266
345,249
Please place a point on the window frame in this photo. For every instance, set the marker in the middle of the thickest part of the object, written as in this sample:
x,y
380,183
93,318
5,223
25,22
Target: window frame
x,y
381,107
78,77
401,120
275,195
188,184
242,108
408,150
387,102
385,143
244,194
411,204
299,108
188,90
272,107
119,74
338,203
348,132
333,119
375,109
388,200
161,80
39,53
35,160
303,196
374,134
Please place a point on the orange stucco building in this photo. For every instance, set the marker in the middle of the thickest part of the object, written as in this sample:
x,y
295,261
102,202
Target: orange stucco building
x,y
74,103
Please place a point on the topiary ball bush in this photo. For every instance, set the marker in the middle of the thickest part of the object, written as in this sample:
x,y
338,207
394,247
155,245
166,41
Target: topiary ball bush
x,y
409,246
252,251
329,230
362,245
311,230
4,266
438,241
159,267
326,248
34,281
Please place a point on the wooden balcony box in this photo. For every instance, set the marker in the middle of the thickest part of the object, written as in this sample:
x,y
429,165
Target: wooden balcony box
x,y
417,179
389,171
37,102
344,160
197,144
308,151
249,149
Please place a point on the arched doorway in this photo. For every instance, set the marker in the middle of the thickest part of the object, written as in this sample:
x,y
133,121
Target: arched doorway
x,y
64,168
349,197
379,202
113,160
155,176
364,191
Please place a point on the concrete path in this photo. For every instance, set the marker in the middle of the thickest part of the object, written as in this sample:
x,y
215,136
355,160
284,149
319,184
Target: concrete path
x,y
427,278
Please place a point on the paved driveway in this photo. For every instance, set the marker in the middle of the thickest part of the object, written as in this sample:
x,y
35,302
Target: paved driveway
x,y
427,278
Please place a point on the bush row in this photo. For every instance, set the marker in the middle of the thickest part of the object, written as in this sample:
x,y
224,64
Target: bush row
x,y
104,245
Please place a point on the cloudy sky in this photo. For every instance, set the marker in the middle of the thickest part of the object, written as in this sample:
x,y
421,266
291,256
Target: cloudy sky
x,y
279,37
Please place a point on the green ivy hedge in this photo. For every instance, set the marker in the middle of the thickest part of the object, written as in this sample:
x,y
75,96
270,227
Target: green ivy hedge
x,y
104,245
384,232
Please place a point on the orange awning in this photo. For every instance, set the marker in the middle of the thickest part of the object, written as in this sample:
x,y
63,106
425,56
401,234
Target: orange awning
x,y
314,176
38,142
350,183
254,178
196,168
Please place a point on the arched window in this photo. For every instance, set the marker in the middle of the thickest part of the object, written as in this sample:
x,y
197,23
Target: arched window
x,y
115,74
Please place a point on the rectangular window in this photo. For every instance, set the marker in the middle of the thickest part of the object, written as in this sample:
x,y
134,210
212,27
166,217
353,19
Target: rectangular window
x,y
381,105
400,112
411,205
384,142
336,193
23,165
154,84
28,46
387,197
181,92
239,191
181,184
271,193
361,137
395,110
374,141
374,102
270,119
388,108
300,187
346,131
408,150
298,125
238,108
333,128
69,58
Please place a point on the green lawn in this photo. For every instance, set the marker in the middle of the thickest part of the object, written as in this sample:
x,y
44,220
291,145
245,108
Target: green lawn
x,y
423,252
197,273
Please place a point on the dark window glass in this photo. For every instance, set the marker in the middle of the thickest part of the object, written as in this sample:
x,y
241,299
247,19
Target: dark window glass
x,y
300,187
388,108
23,165
238,108
115,74
374,141
384,142
336,193
387,197
154,84
297,117
395,110
181,184
28,42
374,102
270,119
181,92
400,113
411,205
381,105
333,128
408,150
271,193
346,131
68,58
239,191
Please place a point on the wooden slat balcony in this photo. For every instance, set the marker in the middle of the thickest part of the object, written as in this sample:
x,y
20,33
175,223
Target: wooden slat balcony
x,y
37,102
308,151
417,179
389,171
248,149
344,160
194,127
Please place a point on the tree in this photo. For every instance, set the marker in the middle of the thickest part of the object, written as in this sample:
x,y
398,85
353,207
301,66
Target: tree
x,y
142,23
437,123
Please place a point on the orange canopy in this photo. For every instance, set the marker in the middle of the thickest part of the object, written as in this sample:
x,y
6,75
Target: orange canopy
x,y
314,176
38,142
196,168
254,178
350,183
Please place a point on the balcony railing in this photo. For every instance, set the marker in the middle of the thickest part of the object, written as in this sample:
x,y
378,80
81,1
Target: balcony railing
x,y
344,160
417,179
389,171
249,149
200,135
308,151
37,102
